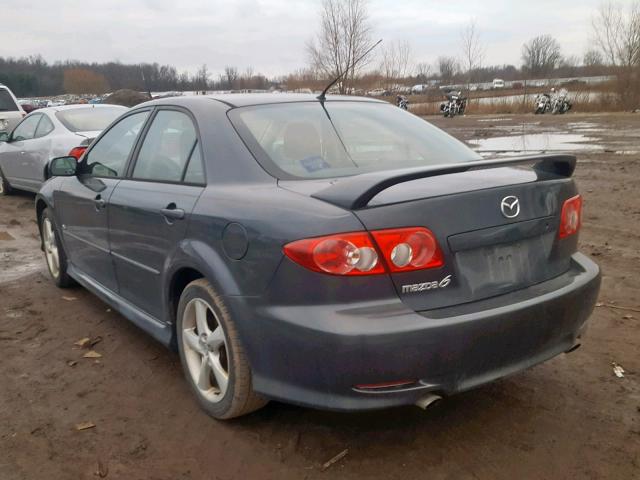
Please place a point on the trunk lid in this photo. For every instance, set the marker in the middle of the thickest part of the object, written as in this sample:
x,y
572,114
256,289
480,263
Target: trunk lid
x,y
88,137
486,252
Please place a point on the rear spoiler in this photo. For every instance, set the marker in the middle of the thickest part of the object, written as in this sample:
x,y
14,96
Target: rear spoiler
x,y
356,192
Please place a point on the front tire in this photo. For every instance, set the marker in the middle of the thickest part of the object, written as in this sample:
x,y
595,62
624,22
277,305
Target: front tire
x,y
54,251
212,356
5,188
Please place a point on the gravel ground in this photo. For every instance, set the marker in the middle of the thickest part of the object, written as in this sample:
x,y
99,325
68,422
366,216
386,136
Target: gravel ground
x,y
570,418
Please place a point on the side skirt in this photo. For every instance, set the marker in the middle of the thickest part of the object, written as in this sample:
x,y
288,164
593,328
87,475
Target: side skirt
x,y
157,329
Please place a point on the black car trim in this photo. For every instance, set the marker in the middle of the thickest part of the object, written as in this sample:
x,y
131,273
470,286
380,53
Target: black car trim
x,y
501,234
159,330
355,192
142,266
83,240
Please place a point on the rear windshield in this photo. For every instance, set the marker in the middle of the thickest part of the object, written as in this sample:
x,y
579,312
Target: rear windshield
x,y
6,102
89,119
305,140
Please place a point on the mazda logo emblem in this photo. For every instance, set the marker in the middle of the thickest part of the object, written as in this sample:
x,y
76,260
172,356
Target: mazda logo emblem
x,y
510,206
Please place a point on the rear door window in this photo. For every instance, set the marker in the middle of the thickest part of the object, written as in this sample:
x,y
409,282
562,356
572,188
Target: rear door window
x,y
108,157
26,130
166,148
6,101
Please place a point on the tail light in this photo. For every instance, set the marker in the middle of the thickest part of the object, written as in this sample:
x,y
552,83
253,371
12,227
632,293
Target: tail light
x,y
402,250
570,217
77,152
406,249
343,254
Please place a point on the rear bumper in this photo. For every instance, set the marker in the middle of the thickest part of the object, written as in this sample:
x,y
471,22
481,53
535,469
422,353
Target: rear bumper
x,y
315,355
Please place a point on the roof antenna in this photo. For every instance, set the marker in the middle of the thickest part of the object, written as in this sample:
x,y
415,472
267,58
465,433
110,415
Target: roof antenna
x,y
322,96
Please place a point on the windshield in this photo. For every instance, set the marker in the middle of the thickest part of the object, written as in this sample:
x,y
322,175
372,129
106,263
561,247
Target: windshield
x,y
6,102
89,119
305,140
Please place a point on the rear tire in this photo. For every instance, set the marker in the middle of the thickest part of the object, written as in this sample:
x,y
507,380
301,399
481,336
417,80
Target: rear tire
x,y
54,251
212,356
5,188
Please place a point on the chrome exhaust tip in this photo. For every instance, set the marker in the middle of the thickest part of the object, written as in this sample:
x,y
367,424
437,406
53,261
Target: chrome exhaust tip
x,y
428,400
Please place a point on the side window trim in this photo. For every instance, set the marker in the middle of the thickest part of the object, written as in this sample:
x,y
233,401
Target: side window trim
x,y
133,158
42,117
135,145
143,134
188,162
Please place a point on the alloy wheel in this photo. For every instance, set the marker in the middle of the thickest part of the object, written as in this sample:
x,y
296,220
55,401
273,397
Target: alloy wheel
x,y
206,351
51,248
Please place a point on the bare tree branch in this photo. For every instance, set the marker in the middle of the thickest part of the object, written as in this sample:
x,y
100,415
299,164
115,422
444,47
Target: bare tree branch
x,y
345,35
448,67
541,55
616,33
395,61
472,49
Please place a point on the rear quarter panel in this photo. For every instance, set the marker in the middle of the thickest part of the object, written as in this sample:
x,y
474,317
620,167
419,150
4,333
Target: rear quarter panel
x,y
270,217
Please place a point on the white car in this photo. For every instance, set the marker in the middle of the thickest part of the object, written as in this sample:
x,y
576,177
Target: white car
x,y
45,134
10,110
377,92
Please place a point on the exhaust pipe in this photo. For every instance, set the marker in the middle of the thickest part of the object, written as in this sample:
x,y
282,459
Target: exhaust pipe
x,y
428,400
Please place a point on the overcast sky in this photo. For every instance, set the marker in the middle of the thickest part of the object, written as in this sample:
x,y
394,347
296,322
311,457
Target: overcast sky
x,y
270,35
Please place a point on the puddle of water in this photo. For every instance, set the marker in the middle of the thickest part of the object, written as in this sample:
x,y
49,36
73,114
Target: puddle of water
x,y
574,125
20,254
494,120
537,142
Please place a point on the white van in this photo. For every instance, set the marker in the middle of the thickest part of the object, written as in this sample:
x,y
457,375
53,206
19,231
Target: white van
x,y
498,83
10,111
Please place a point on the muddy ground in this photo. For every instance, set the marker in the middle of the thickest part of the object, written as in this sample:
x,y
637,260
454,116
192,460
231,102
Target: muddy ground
x,y
570,418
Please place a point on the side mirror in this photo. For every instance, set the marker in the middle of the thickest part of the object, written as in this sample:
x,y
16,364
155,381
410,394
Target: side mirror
x,y
63,167
4,137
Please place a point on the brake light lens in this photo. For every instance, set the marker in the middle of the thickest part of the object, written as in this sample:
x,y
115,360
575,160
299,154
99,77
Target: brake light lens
x,y
406,249
343,254
402,249
77,152
570,217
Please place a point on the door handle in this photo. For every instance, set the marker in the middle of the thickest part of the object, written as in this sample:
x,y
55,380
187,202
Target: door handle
x,y
99,202
172,213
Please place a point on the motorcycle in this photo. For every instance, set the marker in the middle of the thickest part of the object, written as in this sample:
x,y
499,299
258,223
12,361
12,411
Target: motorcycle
x,y
542,104
561,103
455,104
402,102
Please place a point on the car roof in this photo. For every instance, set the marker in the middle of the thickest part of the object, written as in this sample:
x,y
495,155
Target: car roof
x,y
247,99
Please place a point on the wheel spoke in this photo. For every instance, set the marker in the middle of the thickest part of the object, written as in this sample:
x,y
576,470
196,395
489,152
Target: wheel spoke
x,y
204,378
49,231
222,377
191,339
51,248
201,317
216,338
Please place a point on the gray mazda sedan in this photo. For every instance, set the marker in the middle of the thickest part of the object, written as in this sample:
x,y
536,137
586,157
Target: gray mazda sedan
x,y
336,253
